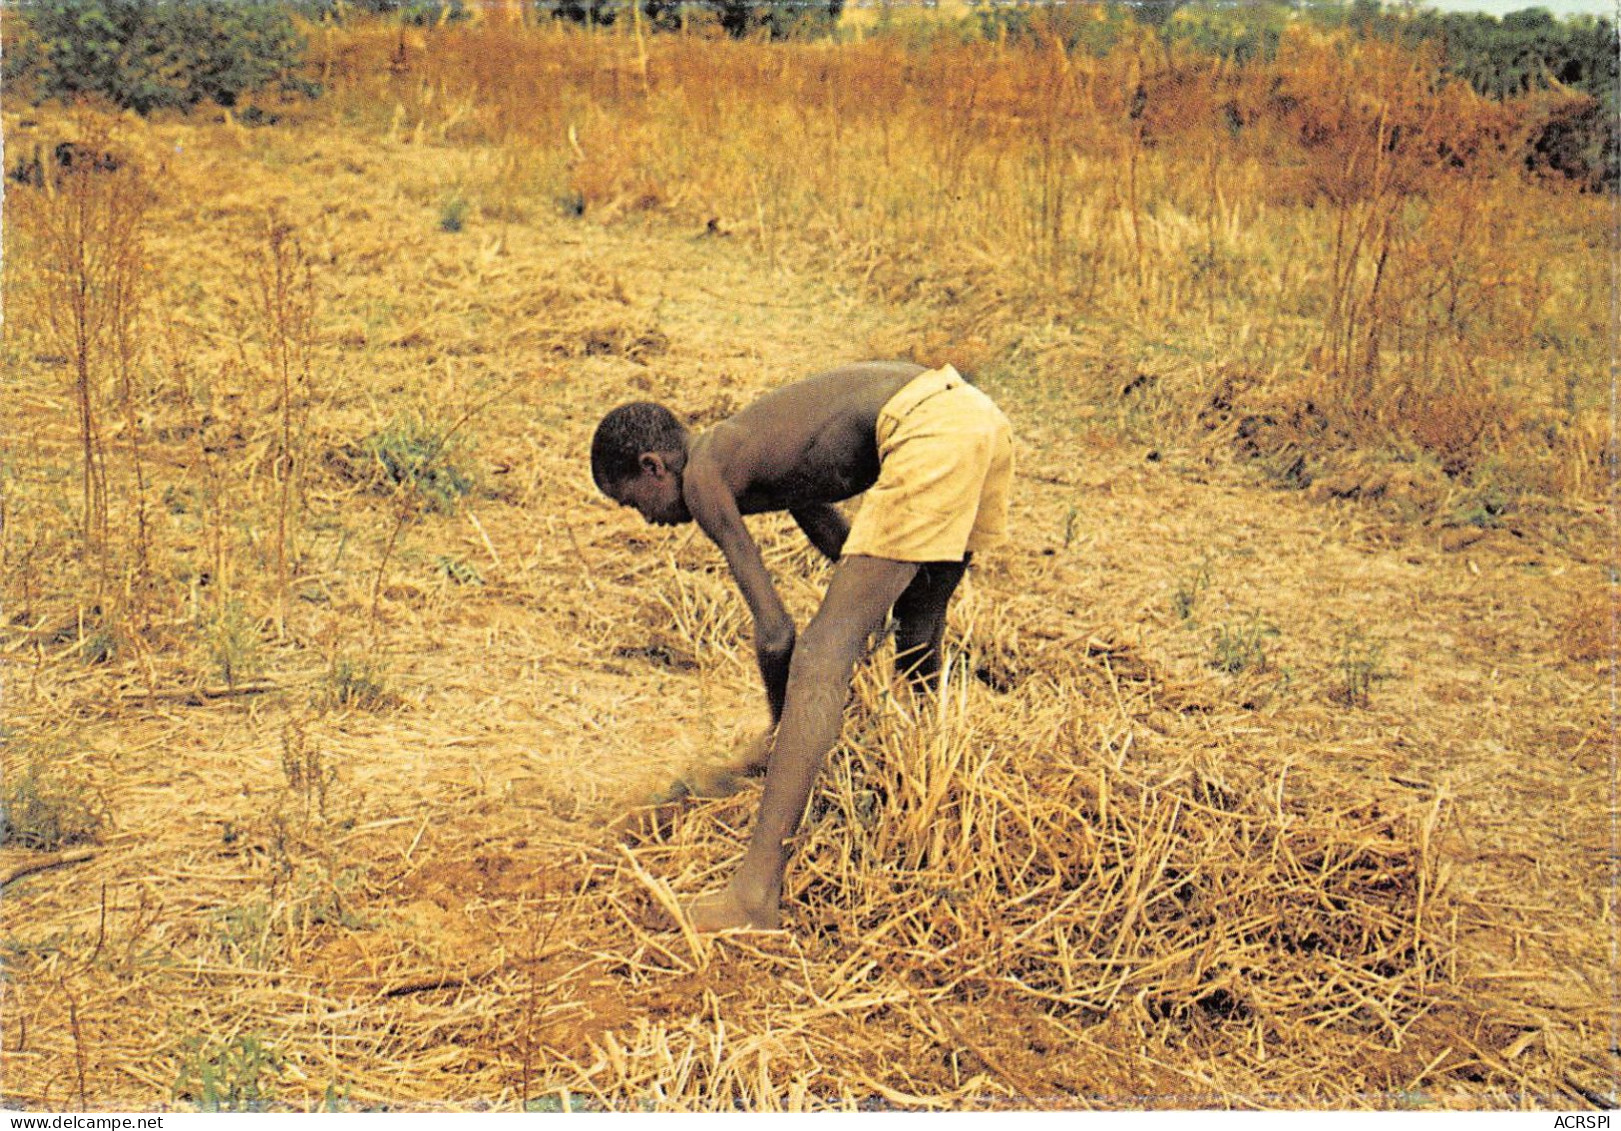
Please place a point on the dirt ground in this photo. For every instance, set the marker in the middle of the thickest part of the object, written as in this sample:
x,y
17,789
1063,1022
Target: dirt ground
x,y
576,661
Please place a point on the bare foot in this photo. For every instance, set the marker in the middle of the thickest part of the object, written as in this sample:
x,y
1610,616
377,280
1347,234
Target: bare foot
x,y
698,785
724,910
656,816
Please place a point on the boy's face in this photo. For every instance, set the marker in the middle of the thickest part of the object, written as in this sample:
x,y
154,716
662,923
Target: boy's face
x,y
655,493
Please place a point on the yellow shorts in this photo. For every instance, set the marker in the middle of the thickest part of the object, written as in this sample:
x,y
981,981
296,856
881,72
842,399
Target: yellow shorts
x,y
945,468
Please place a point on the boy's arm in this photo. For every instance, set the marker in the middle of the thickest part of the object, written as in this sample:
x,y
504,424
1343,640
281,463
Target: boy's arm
x,y
824,526
714,508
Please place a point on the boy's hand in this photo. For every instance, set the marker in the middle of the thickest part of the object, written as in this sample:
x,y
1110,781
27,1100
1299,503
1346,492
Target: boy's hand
x,y
774,648
775,639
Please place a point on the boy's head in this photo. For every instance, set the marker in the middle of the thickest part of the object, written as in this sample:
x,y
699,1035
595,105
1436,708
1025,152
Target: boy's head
x,y
637,456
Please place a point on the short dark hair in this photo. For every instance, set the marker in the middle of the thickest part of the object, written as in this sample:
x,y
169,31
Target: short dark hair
x,y
626,433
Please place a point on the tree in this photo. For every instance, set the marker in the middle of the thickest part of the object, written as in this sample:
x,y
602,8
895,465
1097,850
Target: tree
x,y
148,55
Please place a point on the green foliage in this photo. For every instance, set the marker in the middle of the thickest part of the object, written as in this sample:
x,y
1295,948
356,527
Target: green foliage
x,y
44,809
1483,508
100,647
238,1075
336,1098
309,775
1245,34
1076,26
462,573
409,454
1242,647
561,1103
596,13
1491,497
1188,588
358,684
778,19
1071,518
453,214
1155,13
1523,53
246,935
414,13
147,55
232,640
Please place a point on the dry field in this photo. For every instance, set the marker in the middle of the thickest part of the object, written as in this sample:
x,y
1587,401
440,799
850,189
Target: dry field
x,y
335,697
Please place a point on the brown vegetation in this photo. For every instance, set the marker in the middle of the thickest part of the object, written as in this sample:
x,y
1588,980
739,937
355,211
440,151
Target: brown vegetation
x,y
338,679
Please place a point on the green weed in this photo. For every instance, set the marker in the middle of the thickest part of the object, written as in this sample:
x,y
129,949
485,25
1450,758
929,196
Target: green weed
x,y
1484,507
357,684
1413,1099
46,810
47,815
100,647
1188,588
320,900
1070,518
571,203
232,641
453,214
239,1075
254,933
561,1103
1359,663
62,941
247,933
462,573
308,774
1242,647
409,454
336,1098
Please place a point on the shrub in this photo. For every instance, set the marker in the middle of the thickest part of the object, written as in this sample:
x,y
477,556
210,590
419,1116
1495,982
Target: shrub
x,y
44,810
1579,139
147,55
416,13
358,683
780,19
409,454
453,214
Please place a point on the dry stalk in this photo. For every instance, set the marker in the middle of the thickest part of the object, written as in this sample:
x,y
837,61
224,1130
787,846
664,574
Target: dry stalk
x,y
283,286
45,863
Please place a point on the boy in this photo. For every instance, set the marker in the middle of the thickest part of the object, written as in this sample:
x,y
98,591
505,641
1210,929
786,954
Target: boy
x,y
934,456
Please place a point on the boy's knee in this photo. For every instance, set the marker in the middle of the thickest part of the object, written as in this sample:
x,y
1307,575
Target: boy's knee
x,y
823,653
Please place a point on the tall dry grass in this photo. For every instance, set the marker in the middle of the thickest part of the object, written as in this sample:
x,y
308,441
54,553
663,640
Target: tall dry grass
x,y
83,223
281,281
1341,218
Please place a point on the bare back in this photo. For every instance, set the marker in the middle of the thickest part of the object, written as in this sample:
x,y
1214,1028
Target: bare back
x,y
809,443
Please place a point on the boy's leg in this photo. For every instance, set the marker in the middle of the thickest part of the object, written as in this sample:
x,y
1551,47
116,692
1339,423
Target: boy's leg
x,y
921,613
862,591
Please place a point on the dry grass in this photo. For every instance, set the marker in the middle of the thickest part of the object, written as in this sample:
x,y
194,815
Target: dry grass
x,y
1339,220
359,761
